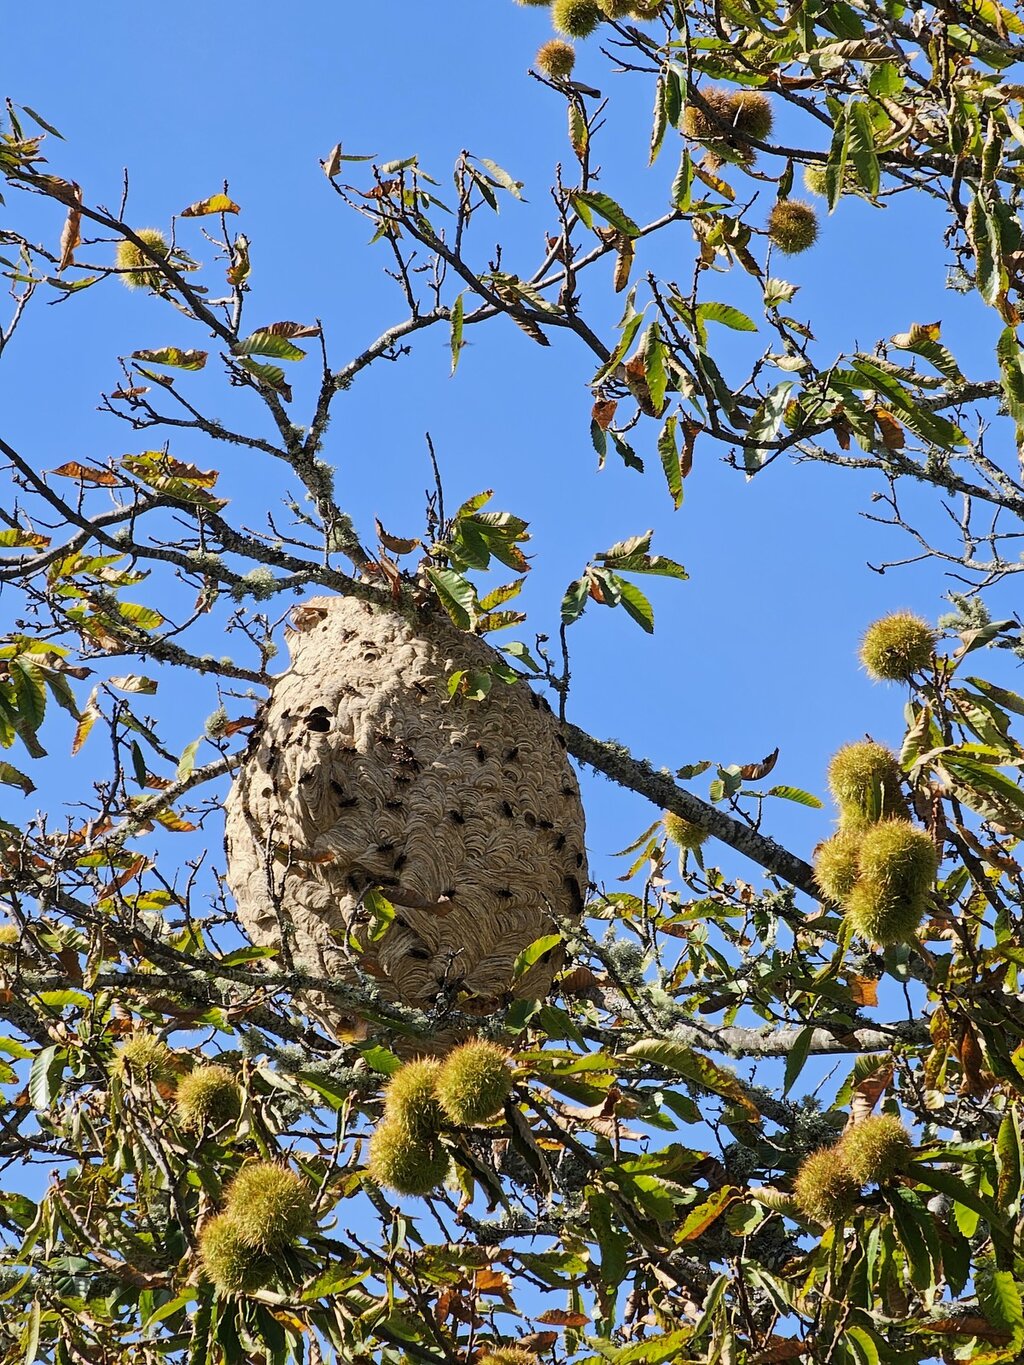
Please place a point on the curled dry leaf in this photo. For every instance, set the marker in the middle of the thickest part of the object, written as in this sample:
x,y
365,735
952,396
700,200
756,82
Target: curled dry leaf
x,y
869,1091
290,329
332,161
71,235
604,412
636,382
580,981
538,1342
85,473
690,431
560,1317
398,545
753,772
863,990
623,262
892,433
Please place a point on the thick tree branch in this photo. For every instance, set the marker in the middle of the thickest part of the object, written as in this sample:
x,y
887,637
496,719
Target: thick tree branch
x,y
770,1042
616,762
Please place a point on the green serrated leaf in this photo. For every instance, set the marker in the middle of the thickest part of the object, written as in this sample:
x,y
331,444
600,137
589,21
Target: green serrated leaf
x,y
65,999
983,229
659,565
626,452
685,1061
956,1189
174,357
271,375
29,693
15,1049
456,595
630,327
1000,1298
1011,373
922,342
588,202
1010,700
242,955
914,1229
38,118
654,352
634,602
668,451
931,426
381,1059
188,759
796,794
30,1334
457,319
515,649
503,178
727,315
268,343
144,618
682,185
766,424
44,1076
835,166
796,1056
10,776
861,150
660,122
139,764
533,953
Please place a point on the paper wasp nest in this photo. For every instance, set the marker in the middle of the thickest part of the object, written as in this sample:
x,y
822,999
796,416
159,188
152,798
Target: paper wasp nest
x,y
465,814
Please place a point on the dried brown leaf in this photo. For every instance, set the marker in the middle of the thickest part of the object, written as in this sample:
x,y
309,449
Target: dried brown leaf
x,y
332,161
71,235
690,431
623,263
538,1342
753,772
604,412
869,1091
398,545
291,329
85,473
863,990
892,433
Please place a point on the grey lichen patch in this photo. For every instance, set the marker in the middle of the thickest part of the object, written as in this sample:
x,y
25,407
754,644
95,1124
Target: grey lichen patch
x,y
258,583
466,815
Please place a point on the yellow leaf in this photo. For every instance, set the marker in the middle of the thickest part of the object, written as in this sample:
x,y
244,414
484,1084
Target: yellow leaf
x,y
217,203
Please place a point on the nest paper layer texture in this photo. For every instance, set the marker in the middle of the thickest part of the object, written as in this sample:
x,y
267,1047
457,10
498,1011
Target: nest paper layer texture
x,y
465,814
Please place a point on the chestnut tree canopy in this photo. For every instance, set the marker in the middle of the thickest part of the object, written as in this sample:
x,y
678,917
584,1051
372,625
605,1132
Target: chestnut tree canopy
x,y
766,1104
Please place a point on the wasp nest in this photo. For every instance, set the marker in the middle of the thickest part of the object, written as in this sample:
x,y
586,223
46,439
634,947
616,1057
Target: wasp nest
x,y
364,774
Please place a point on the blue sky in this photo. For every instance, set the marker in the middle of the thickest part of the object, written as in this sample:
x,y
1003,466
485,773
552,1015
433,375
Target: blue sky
x,y
758,649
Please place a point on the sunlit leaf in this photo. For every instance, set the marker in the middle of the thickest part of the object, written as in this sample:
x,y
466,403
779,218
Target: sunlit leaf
x,y
274,344
173,356
588,203
456,596
217,203
802,798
